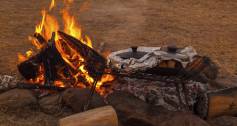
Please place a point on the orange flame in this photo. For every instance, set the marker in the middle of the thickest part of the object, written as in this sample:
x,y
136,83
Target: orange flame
x,y
46,27
68,1
39,27
52,5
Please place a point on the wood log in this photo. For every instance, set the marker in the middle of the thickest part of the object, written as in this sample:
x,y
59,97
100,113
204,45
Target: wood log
x,y
95,63
104,116
217,103
29,69
48,57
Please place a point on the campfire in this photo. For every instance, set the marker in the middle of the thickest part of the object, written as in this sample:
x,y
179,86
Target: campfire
x,y
137,86
63,59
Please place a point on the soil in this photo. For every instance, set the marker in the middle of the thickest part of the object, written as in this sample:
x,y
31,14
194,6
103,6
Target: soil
x,y
209,26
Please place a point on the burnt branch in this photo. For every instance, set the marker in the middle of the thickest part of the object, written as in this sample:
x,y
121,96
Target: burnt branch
x,y
95,63
48,57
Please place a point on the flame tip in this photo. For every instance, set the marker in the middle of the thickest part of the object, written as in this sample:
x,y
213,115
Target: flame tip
x,y
49,25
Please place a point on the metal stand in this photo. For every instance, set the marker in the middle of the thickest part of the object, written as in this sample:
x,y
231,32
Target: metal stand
x,y
92,91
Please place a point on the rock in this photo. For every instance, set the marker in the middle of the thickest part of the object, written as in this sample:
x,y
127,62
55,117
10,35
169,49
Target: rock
x,y
134,112
7,82
184,119
51,104
17,98
227,81
223,121
76,98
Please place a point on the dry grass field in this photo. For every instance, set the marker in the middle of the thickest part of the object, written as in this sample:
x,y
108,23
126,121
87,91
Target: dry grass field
x,y
210,26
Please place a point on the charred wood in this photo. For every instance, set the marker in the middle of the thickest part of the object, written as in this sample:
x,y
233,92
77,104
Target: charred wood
x,y
49,58
95,63
29,69
40,38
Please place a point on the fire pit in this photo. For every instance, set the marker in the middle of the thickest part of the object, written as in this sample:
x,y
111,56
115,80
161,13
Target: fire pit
x,y
63,74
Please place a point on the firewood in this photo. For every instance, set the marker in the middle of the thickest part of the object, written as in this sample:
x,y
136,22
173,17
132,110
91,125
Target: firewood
x,y
29,69
95,63
217,103
40,38
48,58
104,116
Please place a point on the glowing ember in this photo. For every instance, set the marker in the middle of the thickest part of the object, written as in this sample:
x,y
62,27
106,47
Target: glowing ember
x,y
48,25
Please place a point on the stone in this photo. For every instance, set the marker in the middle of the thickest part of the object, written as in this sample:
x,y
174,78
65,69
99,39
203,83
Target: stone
x,y
76,99
7,82
223,121
227,81
51,104
184,119
132,111
17,98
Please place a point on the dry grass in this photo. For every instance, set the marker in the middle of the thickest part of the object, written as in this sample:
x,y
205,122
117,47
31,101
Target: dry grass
x,y
26,117
210,26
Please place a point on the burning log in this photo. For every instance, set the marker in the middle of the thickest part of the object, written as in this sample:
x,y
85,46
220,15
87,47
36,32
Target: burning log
x,y
30,68
95,63
104,116
52,56
40,38
48,58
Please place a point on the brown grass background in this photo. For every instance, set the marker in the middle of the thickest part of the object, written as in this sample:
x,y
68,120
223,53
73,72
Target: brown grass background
x,y
210,26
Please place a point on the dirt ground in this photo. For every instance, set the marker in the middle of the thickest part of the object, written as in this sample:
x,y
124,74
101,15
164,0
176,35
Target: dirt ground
x,y
208,25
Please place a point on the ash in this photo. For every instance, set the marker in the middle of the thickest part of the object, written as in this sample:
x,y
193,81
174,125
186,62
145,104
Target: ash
x,y
170,93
